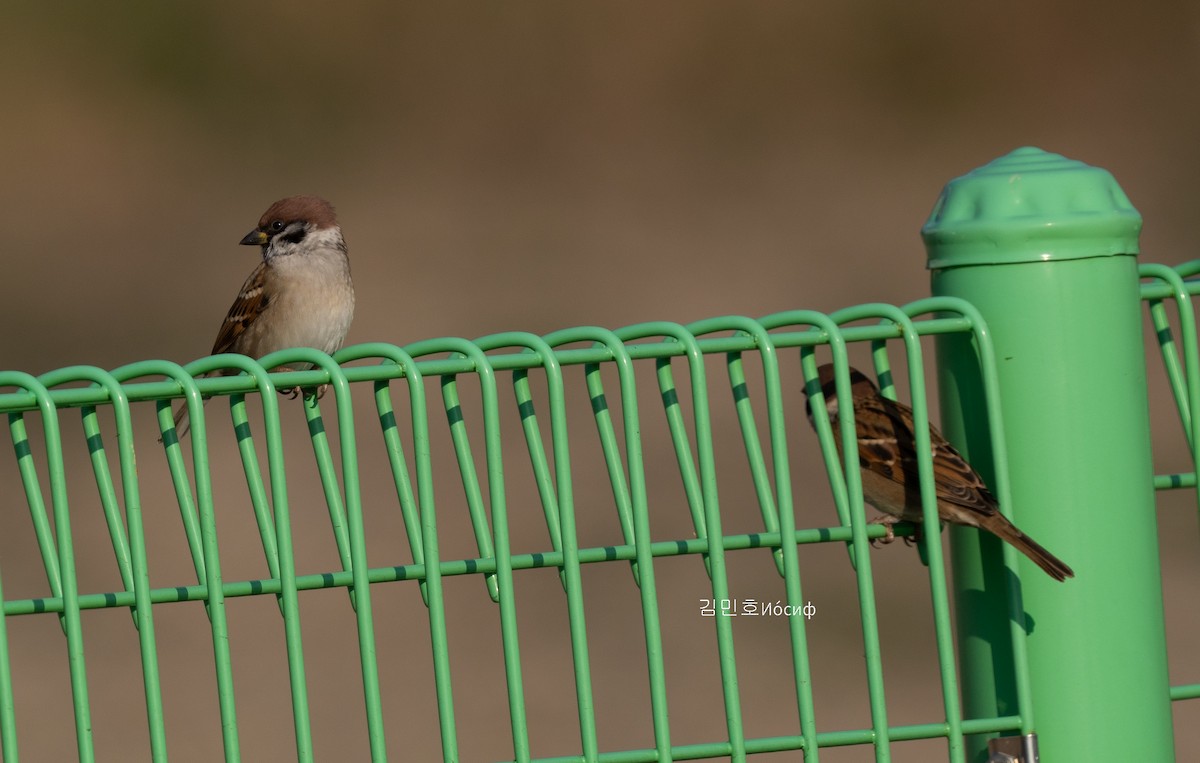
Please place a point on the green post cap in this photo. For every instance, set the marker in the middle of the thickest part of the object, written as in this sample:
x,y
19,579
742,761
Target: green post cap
x,y
1030,206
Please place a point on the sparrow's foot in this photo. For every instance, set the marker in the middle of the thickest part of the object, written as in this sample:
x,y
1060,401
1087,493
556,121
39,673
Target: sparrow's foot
x,y
292,392
314,393
305,392
889,524
917,537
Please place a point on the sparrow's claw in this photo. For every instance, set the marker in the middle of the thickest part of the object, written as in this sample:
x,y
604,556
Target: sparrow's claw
x,y
289,393
889,523
917,537
295,392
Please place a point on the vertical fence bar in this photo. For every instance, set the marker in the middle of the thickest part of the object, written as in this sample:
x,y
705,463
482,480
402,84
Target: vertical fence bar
x,y
1046,249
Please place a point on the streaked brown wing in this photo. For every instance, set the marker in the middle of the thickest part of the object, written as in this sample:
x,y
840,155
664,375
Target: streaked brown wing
x,y
882,436
887,446
250,302
957,482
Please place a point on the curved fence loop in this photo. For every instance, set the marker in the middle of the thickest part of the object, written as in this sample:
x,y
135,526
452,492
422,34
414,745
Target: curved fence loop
x,y
478,363
628,482
777,430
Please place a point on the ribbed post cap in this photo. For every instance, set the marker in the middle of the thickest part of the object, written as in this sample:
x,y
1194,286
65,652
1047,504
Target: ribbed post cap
x,y
1030,206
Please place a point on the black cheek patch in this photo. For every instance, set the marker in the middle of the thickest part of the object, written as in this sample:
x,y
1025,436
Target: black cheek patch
x,y
294,237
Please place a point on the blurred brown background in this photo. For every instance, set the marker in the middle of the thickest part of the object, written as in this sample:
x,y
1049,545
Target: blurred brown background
x,y
528,167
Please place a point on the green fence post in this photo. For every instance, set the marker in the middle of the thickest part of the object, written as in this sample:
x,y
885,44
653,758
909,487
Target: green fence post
x,y
1046,248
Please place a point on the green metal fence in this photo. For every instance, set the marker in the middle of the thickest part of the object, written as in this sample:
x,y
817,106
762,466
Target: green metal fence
x,y
1037,302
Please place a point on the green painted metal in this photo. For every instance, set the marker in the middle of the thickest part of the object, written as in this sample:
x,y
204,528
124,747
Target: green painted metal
x,y
1045,248
659,345
1030,206
1035,285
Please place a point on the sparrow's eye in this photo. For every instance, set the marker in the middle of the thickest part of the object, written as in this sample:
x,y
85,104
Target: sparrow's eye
x,y
277,226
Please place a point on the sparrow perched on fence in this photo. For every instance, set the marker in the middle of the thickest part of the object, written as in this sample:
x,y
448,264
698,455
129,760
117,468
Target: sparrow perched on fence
x,y
888,457
300,295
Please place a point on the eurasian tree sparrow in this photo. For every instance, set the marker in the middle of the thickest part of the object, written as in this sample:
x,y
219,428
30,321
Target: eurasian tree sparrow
x,y
300,295
888,459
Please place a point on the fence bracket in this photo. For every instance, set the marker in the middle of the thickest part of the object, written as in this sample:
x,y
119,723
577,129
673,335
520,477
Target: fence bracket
x,y
1013,749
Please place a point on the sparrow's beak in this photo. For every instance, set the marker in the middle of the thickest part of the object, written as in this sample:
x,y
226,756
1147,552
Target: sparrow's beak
x,y
254,238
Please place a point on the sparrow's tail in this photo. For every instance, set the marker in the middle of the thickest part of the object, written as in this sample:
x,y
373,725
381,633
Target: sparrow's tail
x,y
1007,531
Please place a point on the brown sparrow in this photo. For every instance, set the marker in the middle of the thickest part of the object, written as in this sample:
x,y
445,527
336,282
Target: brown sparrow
x,y
300,295
888,459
